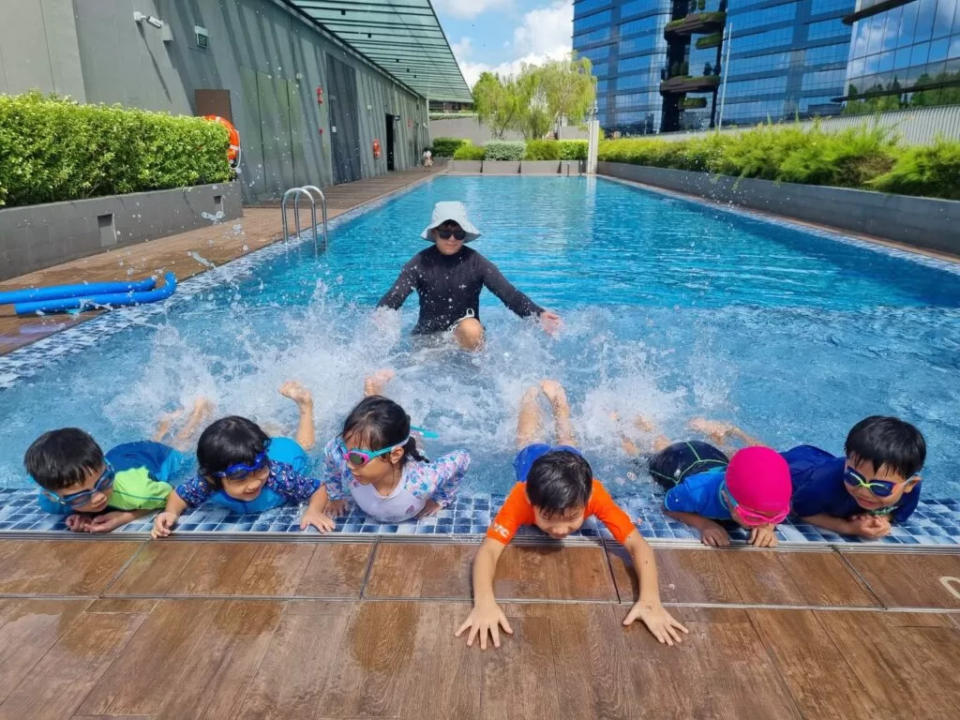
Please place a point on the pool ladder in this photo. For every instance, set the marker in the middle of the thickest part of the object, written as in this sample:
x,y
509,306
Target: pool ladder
x,y
296,193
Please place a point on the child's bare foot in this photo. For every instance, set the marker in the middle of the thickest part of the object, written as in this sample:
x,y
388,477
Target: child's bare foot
x,y
296,392
555,394
376,383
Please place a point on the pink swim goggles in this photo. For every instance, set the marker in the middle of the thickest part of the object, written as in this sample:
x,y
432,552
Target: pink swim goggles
x,y
747,515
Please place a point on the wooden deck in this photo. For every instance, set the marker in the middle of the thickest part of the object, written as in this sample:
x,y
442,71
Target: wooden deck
x,y
216,244
324,629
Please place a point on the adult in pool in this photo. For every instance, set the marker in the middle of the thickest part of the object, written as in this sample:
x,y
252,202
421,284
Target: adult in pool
x,y
448,277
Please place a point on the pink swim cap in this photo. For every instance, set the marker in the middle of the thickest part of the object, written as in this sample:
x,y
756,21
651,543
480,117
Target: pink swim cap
x,y
759,479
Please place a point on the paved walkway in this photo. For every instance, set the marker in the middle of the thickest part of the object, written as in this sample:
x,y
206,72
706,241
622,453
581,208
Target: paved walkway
x,y
185,254
104,628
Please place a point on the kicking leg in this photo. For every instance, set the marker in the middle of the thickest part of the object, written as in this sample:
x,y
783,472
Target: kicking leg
x,y
376,383
469,334
529,424
199,413
561,412
305,435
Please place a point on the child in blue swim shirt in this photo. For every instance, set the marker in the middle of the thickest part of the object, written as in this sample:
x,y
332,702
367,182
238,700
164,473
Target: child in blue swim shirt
x,y
244,470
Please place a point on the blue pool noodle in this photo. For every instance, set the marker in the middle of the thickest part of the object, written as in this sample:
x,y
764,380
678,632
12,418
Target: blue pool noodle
x,y
87,302
56,292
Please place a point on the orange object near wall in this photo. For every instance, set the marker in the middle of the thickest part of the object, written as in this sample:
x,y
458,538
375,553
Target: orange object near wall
x,y
233,152
376,148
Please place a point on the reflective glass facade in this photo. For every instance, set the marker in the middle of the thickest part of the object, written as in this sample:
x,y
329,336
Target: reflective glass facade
x,y
908,54
785,59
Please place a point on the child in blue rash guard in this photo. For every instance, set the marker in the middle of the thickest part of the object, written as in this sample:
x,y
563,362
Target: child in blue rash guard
x,y
864,491
99,492
241,468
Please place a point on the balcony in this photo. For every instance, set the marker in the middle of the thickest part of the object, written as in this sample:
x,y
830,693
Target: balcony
x,y
684,84
695,24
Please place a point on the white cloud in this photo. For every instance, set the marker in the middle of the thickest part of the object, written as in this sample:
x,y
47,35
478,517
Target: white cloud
x,y
469,9
545,34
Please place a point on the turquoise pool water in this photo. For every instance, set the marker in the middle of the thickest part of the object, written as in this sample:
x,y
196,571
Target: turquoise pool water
x,y
672,309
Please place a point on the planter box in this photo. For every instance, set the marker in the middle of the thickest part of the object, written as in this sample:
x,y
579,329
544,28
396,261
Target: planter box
x,y
38,236
468,167
539,167
922,222
501,167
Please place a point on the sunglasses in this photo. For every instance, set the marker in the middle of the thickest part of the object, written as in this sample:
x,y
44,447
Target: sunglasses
x,y
241,469
445,234
880,488
78,499
752,517
358,457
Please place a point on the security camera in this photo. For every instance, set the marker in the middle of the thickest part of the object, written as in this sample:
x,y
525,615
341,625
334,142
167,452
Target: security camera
x,y
139,17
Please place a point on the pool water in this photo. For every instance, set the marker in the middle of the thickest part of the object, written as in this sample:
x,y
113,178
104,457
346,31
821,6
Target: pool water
x,y
672,309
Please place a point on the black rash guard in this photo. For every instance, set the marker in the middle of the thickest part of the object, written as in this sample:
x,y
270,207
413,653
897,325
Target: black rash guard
x,y
449,288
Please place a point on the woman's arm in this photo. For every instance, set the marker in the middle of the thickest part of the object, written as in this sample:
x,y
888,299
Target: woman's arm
x,y
404,285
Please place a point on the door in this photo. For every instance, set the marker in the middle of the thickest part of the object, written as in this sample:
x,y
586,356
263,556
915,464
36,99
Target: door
x,y
389,137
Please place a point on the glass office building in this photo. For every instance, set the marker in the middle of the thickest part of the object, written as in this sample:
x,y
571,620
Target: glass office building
x,y
660,63
904,53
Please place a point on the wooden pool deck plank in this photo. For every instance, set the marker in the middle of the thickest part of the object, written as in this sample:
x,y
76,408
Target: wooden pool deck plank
x,y
214,245
249,635
884,573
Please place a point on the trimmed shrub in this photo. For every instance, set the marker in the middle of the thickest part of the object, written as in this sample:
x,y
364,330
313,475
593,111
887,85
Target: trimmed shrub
x,y
469,151
54,149
864,157
932,170
542,150
504,150
447,146
572,149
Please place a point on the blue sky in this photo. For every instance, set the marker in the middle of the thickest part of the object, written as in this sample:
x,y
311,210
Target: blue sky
x,y
499,35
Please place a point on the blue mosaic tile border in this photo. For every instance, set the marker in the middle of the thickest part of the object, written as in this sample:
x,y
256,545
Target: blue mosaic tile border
x,y
935,523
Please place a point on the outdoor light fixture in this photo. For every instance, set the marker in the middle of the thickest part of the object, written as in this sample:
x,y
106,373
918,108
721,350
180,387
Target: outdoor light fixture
x,y
139,17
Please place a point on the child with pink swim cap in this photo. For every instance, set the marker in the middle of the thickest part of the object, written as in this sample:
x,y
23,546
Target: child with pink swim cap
x,y
705,485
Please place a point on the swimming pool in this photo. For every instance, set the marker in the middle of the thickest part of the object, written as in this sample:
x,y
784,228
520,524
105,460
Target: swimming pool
x,y
672,309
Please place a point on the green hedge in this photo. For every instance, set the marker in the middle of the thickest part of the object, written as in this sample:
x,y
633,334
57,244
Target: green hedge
x,y
504,149
54,149
447,146
468,151
573,149
556,150
862,157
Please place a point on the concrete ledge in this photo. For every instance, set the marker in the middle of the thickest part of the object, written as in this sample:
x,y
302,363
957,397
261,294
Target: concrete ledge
x,y
922,222
467,167
539,167
38,236
501,167
572,167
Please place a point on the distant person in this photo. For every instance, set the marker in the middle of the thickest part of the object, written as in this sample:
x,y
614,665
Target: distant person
x,y
449,276
556,491
427,157
99,492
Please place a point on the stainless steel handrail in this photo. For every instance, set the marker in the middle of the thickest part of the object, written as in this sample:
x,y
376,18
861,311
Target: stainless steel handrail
x,y
323,211
297,193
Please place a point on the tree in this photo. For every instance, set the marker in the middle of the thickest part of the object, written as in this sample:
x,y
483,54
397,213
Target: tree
x,y
569,89
497,102
534,117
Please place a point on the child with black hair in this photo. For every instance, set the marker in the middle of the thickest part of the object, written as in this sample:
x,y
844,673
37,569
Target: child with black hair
x,y
243,469
375,461
864,491
99,492
556,491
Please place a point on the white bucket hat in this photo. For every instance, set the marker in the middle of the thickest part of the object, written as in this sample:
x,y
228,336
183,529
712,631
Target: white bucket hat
x,y
451,210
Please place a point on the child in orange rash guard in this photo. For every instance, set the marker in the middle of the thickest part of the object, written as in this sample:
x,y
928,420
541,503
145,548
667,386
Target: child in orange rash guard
x,y
557,492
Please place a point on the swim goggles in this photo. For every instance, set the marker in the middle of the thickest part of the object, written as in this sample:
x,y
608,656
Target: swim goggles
x,y
241,469
445,233
78,499
751,517
880,488
358,457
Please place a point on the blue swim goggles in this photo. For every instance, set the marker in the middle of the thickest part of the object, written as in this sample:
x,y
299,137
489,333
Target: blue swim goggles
x,y
358,457
78,499
241,469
